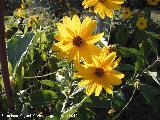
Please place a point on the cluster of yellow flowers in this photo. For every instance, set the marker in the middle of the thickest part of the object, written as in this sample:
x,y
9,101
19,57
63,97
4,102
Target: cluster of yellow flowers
x,y
153,2
76,43
141,22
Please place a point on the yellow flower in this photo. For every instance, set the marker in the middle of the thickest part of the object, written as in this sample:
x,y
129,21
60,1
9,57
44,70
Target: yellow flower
x,y
20,13
126,13
153,2
100,73
103,7
32,20
141,23
76,39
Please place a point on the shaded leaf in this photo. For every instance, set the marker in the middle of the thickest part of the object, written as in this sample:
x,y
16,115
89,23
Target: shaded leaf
x,y
42,97
154,75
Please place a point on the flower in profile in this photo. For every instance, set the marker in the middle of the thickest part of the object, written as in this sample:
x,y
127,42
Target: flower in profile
x,y
100,73
76,39
103,7
141,23
153,2
126,13
34,19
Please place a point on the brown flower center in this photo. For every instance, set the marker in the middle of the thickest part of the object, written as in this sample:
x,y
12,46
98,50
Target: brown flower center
x,y
102,1
141,23
78,41
99,72
126,13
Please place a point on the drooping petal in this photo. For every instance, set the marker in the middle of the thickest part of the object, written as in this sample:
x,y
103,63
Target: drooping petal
x,y
109,13
108,88
71,54
115,63
90,89
98,89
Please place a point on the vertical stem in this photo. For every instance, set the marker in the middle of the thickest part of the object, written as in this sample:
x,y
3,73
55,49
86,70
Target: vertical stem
x,y
4,62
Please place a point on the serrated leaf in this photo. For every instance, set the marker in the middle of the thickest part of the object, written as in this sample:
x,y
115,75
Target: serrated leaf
x,y
153,34
17,46
42,97
66,115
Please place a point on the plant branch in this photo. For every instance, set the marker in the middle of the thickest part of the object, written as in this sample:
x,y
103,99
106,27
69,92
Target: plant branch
x,y
34,77
125,105
4,61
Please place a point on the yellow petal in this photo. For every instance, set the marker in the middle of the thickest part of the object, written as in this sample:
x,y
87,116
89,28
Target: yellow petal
x,y
67,21
112,79
71,54
84,82
109,13
86,73
117,74
109,59
118,1
115,63
98,90
65,31
94,38
90,89
77,24
108,88
88,26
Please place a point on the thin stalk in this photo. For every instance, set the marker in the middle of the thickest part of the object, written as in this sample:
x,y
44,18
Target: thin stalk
x,y
4,61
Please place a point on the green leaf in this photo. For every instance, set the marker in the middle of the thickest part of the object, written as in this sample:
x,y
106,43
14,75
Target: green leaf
x,y
139,64
122,35
17,47
153,34
126,52
42,97
125,67
48,82
149,93
154,44
155,77
69,113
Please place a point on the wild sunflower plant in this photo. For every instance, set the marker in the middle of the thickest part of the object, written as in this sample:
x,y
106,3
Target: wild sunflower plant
x,y
96,59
